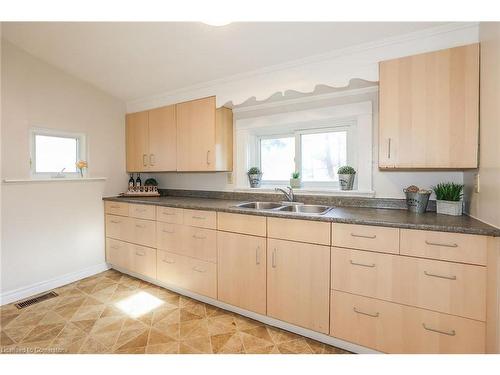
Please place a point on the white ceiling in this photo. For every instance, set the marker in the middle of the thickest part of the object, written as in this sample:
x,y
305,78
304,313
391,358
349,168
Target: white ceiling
x,y
134,60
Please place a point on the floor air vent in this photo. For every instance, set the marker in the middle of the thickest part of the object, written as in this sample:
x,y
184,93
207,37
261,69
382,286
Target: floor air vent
x,y
32,301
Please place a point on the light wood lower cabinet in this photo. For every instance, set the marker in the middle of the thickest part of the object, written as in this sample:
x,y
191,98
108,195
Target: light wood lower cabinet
x,y
394,328
135,258
242,271
141,232
297,283
451,288
187,273
117,253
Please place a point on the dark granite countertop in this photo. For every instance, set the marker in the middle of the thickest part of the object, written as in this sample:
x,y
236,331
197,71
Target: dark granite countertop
x,y
353,215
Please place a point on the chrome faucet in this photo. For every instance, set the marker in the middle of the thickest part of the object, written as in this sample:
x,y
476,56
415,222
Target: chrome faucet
x,y
288,194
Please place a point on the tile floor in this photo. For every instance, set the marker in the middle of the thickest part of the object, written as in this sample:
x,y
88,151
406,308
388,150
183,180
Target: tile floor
x,y
115,313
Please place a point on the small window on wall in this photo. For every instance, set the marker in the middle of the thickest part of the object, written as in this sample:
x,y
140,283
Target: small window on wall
x,y
55,153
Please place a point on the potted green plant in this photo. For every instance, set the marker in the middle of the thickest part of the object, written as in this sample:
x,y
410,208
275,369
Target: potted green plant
x,y
449,198
295,181
254,177
346,177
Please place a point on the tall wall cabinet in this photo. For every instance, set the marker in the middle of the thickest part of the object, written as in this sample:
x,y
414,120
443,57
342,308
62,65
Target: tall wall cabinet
x,y
429,110
194,136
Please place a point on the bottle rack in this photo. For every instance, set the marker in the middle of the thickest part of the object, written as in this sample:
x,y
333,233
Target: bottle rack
x,y
142,191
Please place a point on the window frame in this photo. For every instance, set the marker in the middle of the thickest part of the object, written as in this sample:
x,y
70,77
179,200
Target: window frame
x,y
297,134
81,152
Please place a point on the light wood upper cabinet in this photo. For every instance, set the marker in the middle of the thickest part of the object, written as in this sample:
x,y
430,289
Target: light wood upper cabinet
x,y
151,140
204,136
137,141
297,283
429,110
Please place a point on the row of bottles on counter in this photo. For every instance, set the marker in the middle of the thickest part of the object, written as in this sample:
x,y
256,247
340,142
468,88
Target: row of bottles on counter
x,y
134,183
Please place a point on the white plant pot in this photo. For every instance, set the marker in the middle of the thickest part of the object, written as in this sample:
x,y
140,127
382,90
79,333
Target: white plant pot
x,y
295,183
449,207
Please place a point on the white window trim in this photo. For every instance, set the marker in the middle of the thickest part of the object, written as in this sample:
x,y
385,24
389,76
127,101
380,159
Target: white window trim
x,y
81,145
249,129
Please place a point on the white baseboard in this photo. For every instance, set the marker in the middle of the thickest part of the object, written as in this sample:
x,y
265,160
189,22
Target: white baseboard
x,y
43,286
261,318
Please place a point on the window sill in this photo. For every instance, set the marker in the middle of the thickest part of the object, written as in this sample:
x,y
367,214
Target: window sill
x,y
63,179
311,191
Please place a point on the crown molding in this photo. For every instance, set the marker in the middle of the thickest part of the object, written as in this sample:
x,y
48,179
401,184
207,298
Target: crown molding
x,y
211,87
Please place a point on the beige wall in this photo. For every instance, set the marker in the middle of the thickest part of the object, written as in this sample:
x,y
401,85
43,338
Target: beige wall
x,y
54,231
485,205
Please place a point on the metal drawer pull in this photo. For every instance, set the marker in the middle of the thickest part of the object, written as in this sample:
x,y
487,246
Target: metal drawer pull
x,y
389,149
144,160
168,261
141,254
376,315
448,333
116,221
440,276
362,264
152,160
140,226
257,255
441,244
114,206
199,237
208,157
140,209
167,213
198,217
363,236
199,269
168,231
273,263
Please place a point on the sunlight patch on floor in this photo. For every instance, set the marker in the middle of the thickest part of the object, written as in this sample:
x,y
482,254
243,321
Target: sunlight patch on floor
x,y
139,304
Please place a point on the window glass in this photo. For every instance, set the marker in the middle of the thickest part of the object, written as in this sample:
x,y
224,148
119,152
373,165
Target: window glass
x,y
53,154
277,158
322,154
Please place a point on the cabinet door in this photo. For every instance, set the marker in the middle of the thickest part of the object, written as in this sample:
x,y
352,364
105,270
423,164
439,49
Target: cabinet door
x,y
429,110
242,271
298,283
196,135
162,139
136,133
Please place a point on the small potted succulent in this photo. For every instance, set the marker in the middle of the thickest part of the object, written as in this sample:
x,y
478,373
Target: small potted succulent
x,y
449,198
254,177
295,181
346,177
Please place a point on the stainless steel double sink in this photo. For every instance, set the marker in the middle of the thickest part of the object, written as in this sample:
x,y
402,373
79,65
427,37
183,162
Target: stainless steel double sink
x,y
310,209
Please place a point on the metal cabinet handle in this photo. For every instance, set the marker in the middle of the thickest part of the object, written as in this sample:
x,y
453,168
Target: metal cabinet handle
x,y
114,206
273,263
116,221
201,270
389,149
199,237
167,213
140,209
375,315
448,333
168,261
257,255
152,159
198,217
168,231
363,236
141,254
441,244
208,157
372,265
440,276
140,226
144,160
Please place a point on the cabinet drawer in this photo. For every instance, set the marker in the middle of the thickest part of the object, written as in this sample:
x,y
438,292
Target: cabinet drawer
x,y
169,237
455,247
245,224
201,219
199,243
142,211
187,273
394,328
366,237
170,215
451,288
116,208
117,253
299,230
142,232
143,260
117,227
